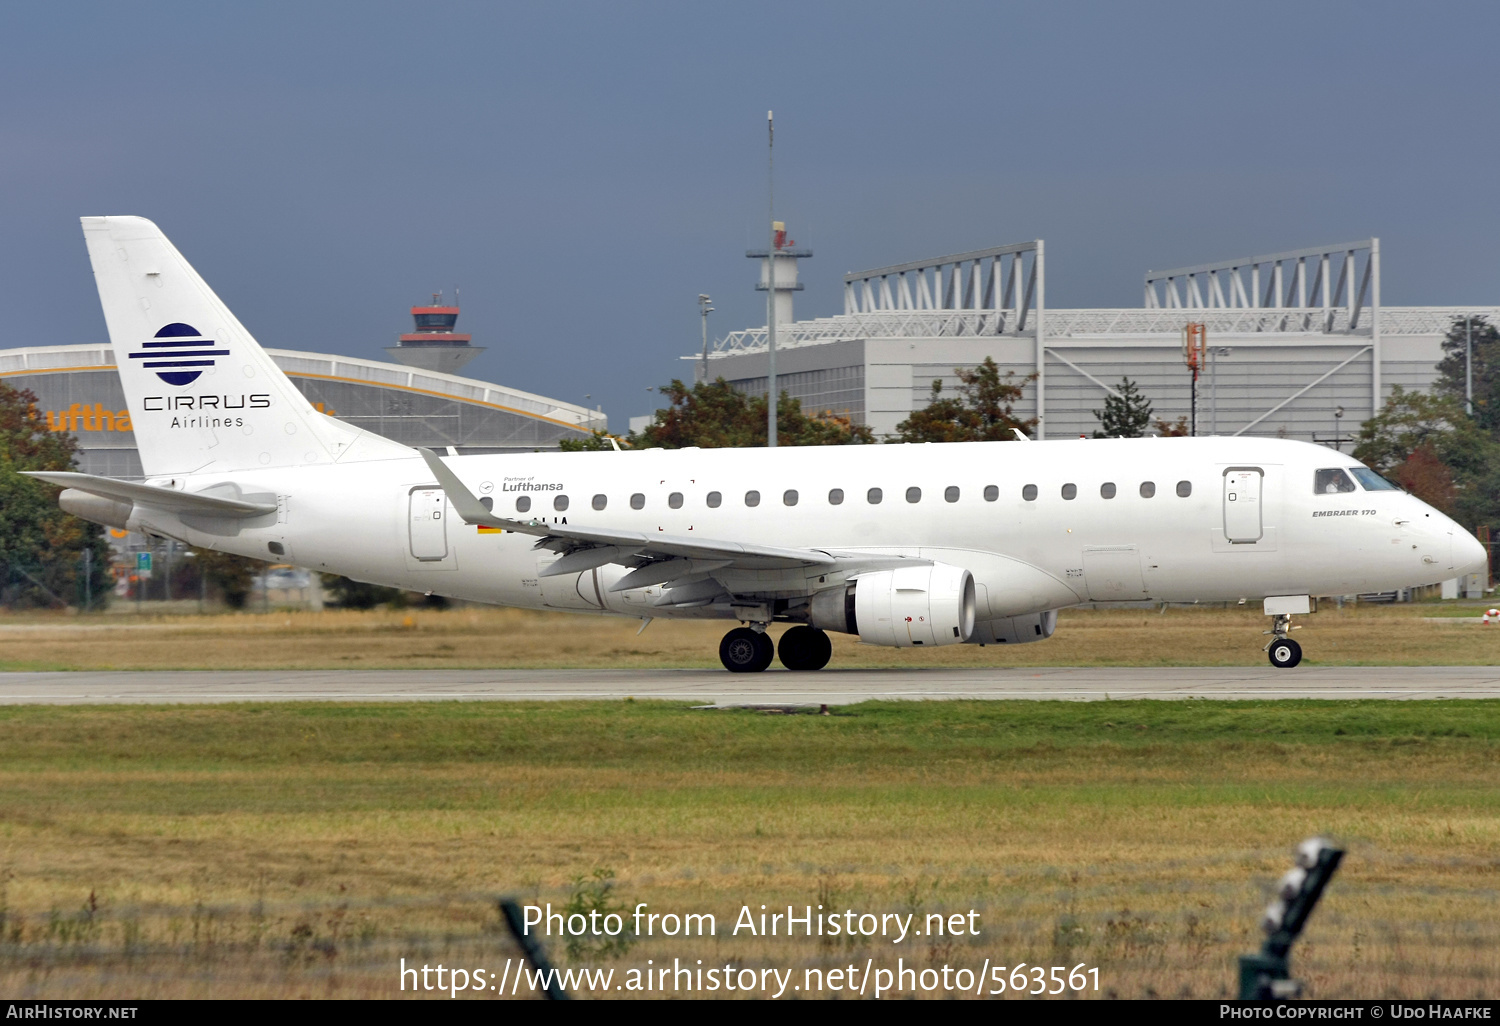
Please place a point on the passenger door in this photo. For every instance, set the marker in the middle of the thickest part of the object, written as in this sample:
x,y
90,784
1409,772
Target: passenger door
x,y
1242,505
428,524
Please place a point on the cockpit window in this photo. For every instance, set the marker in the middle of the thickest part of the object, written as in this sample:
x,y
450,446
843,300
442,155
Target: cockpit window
x,y
1372,481
1332,481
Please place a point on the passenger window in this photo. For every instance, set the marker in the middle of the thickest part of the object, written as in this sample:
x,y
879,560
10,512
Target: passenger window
x,y
1372,481
523,503
600,502
1107,490
914,494
950,494
1184,489
752,498
1070,491
675,500
714,498
1148,489
991,493
560,503
488,504
789,497
835,496
1029,493
873,496
637,501
1332,481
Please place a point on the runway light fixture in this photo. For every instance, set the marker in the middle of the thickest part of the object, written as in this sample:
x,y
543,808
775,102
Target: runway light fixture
x,y
1267,975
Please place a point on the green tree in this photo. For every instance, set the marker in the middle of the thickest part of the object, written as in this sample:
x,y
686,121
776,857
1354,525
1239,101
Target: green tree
x,y
1486,365
351,594
715,415
596,441
230,576
1416,430
1126,415
41,547
982,410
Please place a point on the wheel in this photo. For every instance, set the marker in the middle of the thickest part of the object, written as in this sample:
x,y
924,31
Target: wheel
x,y
746,651
1285,653
805,648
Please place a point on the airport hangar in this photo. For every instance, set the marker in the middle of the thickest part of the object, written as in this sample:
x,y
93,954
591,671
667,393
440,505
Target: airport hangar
x,y
1298,343
78,390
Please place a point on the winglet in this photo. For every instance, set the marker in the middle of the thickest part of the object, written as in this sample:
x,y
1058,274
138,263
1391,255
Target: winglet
x,y
1020,436
469,509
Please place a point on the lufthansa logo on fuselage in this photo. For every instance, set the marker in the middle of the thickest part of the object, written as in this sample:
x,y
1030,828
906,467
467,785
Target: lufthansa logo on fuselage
x,y
178,353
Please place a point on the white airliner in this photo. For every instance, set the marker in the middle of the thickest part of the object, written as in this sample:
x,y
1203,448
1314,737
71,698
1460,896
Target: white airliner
x,y
902,545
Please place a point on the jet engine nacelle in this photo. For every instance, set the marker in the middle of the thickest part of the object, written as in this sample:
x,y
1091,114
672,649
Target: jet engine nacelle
x,y
1015,630
912,605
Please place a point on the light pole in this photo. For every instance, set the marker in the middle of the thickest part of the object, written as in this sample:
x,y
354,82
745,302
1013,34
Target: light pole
x,y
705,307
1338,440
1213,378
771,283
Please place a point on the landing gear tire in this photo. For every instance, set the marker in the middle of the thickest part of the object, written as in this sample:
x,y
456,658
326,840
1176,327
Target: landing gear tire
x,y
1285,653
805,648
746,651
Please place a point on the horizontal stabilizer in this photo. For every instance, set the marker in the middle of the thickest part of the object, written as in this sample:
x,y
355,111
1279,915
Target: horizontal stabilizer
x,y
152,495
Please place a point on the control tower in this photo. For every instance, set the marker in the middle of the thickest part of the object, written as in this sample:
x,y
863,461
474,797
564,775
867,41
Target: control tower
x,y
435,346
786,258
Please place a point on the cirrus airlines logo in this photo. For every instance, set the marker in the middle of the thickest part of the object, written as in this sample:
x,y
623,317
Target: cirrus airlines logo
x,y
178,353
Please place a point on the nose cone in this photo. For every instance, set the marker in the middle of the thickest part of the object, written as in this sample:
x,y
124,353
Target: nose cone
x,y
1469,556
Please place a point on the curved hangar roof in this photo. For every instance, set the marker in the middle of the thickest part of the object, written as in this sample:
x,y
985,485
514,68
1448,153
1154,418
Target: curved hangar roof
x,y
78,390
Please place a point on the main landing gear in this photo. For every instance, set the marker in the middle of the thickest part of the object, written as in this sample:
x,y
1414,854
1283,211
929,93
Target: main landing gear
x,y
1284,653
746,650
750,649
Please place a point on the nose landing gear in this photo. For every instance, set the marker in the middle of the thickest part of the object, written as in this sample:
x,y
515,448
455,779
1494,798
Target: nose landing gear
x,y
1283,652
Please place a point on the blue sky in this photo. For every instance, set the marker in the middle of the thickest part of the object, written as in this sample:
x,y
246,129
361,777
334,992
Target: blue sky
x,y
581,171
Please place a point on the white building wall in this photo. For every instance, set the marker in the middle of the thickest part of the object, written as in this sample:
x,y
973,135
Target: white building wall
x,y
1260,372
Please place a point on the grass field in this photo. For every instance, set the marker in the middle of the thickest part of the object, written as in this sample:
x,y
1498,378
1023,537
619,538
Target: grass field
x,y
301,849
1413,635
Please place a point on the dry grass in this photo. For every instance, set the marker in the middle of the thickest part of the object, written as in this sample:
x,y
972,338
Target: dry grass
x,y
301,850
481,637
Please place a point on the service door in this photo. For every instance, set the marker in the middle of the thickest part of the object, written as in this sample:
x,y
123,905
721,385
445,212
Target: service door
x,y
429,524
1242,520
1113,573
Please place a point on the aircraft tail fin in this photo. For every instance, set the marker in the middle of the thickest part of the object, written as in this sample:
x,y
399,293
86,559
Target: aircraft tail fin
x,y
203,395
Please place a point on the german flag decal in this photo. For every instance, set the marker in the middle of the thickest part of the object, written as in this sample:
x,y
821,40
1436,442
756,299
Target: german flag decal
x,y
486,529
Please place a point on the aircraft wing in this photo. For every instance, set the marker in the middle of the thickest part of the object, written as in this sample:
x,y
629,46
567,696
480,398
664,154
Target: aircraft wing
x,y
658,558
153,495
